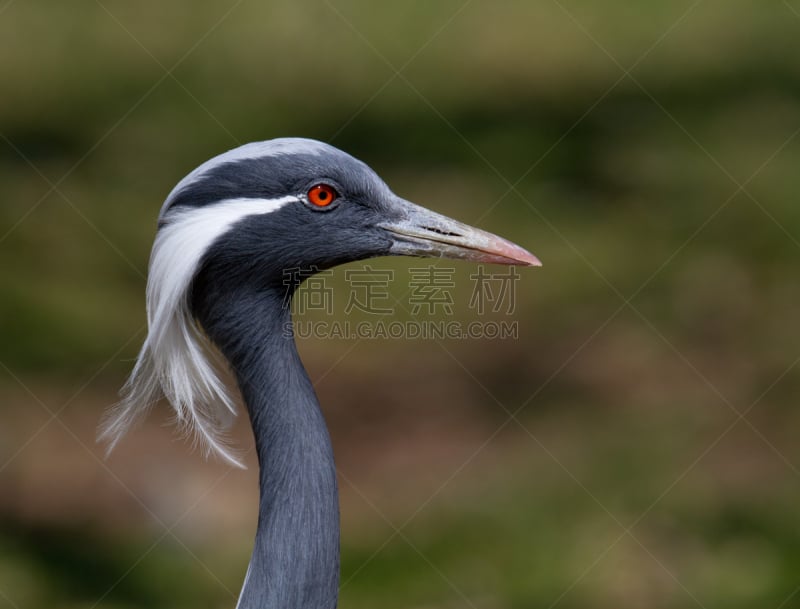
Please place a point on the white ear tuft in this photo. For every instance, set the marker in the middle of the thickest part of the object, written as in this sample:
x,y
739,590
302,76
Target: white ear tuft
x,y
176,359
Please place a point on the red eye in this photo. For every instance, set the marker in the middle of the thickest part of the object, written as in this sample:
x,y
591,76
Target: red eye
x,y
322,195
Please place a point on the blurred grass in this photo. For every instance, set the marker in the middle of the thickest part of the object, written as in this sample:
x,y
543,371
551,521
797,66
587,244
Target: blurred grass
x,y
674,187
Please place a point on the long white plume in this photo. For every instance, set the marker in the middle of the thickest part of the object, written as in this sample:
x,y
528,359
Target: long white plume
x,y
176,359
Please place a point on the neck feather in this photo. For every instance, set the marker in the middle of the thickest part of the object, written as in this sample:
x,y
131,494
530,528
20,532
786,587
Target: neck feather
x,y
295,562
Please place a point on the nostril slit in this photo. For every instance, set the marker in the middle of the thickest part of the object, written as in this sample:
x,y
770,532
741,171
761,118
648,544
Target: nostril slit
x,y
440,231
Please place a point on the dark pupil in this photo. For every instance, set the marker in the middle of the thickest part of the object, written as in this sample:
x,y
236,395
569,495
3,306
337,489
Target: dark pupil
x,y
323,195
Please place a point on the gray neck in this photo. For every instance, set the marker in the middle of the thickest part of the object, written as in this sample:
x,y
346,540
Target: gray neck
x,y
295,562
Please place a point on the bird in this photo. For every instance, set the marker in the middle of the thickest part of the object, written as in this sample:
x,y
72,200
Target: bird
x,y
216,299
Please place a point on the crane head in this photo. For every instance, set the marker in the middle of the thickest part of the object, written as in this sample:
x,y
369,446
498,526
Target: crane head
x,y
236,224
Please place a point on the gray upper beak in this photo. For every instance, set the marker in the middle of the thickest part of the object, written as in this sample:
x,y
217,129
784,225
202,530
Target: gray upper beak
x,y
417,231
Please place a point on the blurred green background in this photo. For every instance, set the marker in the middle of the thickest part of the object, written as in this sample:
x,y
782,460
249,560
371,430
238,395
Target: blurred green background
x,y
635,447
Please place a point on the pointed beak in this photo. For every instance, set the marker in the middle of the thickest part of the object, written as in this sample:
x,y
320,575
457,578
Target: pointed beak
x,y
417,231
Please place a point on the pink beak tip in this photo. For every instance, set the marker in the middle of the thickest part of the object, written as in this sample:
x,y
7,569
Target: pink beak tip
x,y
518,254
533,260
